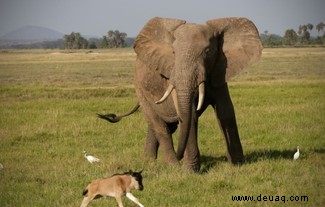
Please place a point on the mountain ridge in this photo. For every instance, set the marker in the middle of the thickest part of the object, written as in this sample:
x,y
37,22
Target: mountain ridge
x,y
32,33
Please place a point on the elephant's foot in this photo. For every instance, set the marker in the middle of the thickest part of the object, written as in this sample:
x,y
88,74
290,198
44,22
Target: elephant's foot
x,y
236,158
192,164
193,167
235,151
149,157
171,159
169,155
150,153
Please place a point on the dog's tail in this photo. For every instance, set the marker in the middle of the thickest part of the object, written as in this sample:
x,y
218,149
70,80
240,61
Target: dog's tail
x,y
85,191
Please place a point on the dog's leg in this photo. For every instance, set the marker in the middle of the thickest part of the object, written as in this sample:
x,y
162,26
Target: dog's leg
x,y
85,201
134,199
119,201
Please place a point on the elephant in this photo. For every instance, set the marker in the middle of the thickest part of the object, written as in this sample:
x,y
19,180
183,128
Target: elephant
x,y
180,70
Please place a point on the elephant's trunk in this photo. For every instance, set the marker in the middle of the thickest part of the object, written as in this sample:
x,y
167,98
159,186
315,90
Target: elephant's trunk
x,y
183,101
185,104
185,107
183,92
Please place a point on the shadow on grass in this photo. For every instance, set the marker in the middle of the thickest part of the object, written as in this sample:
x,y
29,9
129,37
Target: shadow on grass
x,y
208,162
268,155
321,151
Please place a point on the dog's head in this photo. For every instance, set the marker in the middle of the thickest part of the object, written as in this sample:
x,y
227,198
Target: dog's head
x,y
136,181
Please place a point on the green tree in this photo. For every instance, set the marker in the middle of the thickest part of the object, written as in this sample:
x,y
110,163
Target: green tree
x,y
111,39
305,37
272,40
92,45
75,41
67,43
310,26
320,27
290,37
304,33
116,39
104,42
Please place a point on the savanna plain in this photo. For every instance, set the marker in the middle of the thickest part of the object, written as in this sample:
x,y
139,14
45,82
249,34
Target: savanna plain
x,y
49,101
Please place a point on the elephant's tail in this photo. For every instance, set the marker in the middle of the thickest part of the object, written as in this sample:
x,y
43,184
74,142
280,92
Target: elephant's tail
x,y
113,118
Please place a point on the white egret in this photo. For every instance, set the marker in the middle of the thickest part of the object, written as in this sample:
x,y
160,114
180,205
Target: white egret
x,y
91,158
297,154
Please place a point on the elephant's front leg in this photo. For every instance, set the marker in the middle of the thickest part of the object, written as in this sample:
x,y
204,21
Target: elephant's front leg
x,y
152,144
159,135
166,143
227,120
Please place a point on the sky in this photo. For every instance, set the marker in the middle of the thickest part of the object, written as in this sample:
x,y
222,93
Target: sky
x,y
97,17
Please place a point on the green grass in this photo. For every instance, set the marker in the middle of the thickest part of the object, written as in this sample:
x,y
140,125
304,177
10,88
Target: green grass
x,y
49,100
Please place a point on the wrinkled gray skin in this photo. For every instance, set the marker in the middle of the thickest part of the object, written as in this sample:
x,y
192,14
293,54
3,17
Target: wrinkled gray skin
x,y
174,60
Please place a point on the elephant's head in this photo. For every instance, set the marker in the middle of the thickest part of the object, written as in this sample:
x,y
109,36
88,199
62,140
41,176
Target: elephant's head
x,y
192,56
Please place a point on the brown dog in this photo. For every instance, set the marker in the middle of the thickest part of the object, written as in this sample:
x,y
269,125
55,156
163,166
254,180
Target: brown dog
x,y
116,186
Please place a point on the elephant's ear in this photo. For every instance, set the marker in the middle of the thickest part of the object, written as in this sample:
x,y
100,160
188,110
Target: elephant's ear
x,y
153,45
241,42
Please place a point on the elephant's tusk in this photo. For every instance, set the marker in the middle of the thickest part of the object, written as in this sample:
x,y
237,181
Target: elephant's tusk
x,y
175,100
166,94
201,96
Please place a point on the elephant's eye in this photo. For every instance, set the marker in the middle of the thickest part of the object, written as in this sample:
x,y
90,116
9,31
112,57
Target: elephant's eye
x,y
208,52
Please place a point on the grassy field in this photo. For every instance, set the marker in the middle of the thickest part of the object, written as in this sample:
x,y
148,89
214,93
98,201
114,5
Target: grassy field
x,y
49,100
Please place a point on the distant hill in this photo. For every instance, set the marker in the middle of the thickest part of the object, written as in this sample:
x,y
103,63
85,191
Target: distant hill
x,y
32,33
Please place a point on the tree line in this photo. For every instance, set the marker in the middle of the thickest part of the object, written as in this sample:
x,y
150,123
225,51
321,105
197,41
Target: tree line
x,y
114,39
117,39
300,37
